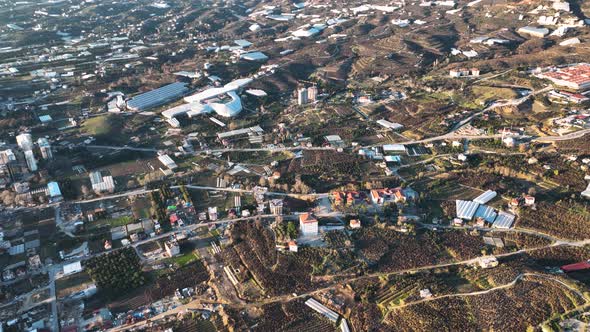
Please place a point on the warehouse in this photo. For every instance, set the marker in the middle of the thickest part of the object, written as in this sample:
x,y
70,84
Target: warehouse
x,y
157,97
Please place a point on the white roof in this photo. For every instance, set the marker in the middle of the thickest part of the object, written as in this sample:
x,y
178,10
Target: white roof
x,y
242,43
321,309
485,197
394,147
72,268
466,209
504,220
390,125
167,161
254,56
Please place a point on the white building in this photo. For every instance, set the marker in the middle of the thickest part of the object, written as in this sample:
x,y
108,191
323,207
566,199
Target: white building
x,y
308,224
172,248
31,161
25,141
101,183
45,148
302,97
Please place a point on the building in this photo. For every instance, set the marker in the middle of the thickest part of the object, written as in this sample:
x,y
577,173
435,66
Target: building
x,y
167,161
293,246
387,195
355,223
529,200
276,206
31,161
575,77
322,310
459,72
25,141
157,97
485,197
172,248
308,224
101,183
312,93
224,101
534,32
54,192
302,96
487,262
7,156
45,148
576,266
466,209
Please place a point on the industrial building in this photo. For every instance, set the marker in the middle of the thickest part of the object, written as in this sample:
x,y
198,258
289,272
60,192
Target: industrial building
x,y
157,97
575,77
101,183
212,100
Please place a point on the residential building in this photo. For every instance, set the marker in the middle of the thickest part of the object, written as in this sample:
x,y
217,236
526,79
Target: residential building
x,y
487,262
394,195
25,141
31,161
293,246
302,96
276,206
308,224
45,148
355,223
529,200
172,248
312,93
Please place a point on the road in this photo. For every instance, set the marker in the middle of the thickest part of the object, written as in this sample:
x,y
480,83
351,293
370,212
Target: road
x,y
508,285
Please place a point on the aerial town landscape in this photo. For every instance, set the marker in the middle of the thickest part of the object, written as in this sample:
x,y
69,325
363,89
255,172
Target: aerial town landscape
x,y
276,165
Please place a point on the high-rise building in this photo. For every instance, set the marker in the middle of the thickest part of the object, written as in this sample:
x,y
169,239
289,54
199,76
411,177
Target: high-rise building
x,y
31,162
45,148
25,141
302,96
312,93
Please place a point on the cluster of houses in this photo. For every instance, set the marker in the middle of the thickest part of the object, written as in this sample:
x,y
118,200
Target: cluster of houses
x,y
378,197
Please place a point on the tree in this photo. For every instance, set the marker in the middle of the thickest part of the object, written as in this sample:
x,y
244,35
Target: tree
x,y
85,190
292,230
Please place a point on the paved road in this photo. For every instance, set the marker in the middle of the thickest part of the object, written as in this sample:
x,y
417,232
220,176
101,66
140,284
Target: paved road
x,y
566,137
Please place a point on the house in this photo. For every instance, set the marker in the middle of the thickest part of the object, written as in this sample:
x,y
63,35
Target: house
x,y
293,246
487,262
308,224
355,223
383,196
348,197
172,248
459,72
529,200
425,293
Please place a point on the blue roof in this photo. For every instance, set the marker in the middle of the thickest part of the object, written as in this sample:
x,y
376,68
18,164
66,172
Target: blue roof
x,y
53,189
157,97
